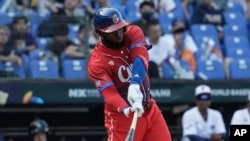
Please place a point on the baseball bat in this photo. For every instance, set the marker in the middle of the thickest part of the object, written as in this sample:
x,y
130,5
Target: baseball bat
x,y
130,135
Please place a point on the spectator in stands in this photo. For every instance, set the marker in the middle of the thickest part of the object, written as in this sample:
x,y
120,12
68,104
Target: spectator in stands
x,y
39,130
202,123
242,116
93,36
105,3
148,12
80,41
210,51
206,13
5,50
164,5
21,6
8,54
183,44
160,5
61,43
53,6
179,26
45,6
20,29
246,7
19,44
69,13
217,4
159,51
86,7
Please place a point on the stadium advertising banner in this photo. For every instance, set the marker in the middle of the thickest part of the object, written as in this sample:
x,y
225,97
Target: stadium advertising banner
x,y
83,92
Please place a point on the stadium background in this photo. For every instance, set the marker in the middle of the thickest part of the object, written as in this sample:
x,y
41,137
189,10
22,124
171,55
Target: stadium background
x,y
72,107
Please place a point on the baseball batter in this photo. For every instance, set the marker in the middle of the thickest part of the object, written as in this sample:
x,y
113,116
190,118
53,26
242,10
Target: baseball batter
x,y
202,123
242,116
118,67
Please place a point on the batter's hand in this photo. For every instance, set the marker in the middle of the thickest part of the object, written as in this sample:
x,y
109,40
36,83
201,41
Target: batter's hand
x,y
134,94
126,111
135,98
139,108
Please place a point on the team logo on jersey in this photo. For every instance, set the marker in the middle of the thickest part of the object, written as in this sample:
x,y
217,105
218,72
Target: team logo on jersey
x,y
136,75
124,73
97,83
112,63
115,18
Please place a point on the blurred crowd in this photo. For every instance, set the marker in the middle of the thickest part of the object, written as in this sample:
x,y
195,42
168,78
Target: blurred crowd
x,y
192,39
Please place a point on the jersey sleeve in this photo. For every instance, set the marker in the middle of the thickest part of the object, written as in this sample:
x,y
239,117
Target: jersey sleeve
x,y
138,45
188,125
220,125
99,77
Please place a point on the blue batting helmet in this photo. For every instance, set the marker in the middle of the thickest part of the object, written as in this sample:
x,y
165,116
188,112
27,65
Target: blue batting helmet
x,y
108,19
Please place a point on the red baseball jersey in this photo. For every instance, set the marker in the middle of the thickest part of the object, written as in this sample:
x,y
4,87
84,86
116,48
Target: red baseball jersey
x,y
112,67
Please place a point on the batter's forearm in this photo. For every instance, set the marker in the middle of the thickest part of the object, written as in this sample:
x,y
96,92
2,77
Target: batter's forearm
x,y
112,97
138,71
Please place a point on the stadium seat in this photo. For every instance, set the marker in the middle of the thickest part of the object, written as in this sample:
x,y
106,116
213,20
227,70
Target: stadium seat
x,y
63,56
238,52
239,68
2,3
166,19
6,18
203,30
132,12
115,2
234,18
34,30
13,68
37,18
185,65
43,69
191,10
239,42
74,69
234,7
37,54
42,42
200,40
131,7
168,72
178,11
73,31
166,27
132,17
235,30
209,70
198,54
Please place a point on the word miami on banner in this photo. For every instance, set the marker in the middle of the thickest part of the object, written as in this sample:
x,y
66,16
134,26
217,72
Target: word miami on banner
x,y
239,132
